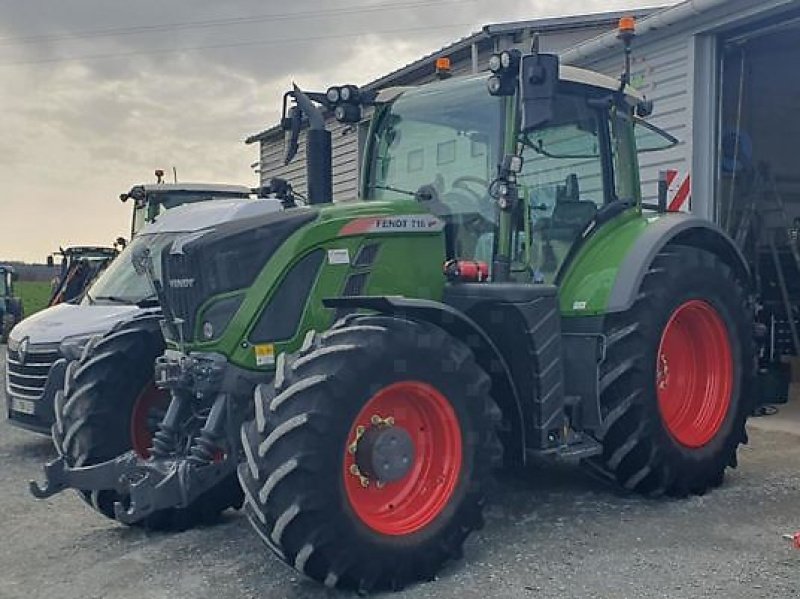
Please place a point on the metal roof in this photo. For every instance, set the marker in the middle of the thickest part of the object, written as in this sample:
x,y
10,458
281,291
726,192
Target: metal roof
x,y
661,21
487,32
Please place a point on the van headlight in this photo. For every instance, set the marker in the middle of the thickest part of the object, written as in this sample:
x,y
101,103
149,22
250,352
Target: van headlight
x,y
72,347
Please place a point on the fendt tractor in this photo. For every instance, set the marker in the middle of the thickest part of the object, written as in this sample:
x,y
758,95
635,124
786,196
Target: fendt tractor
x,y
11,310
501,290
152,199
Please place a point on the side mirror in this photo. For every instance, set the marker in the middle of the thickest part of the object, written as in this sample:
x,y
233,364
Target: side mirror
x,y
50,262
15,276
537,89
141,261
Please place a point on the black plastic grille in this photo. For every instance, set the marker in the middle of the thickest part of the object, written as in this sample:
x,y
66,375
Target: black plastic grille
x,y
226,259
280,318
355,284
366,255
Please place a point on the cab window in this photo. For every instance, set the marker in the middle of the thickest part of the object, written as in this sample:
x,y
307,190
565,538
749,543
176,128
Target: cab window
x,y
563,179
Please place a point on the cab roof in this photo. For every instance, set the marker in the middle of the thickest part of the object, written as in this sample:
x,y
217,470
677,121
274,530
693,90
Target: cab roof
x,y
566,73
210,188
86,249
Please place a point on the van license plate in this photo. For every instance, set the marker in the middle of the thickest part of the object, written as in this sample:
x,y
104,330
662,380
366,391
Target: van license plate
x,y
23,405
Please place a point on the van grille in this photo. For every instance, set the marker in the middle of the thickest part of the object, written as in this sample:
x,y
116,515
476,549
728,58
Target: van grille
x,y
26,379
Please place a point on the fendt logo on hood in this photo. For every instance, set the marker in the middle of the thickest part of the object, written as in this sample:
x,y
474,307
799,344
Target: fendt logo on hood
x,y
181,283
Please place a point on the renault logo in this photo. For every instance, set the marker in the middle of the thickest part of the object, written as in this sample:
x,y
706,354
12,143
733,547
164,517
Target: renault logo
x,y
23,350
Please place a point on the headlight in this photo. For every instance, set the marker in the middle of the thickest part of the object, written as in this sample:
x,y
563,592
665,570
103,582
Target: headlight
x,y
494,63
72,347
216,317
333,95
349,93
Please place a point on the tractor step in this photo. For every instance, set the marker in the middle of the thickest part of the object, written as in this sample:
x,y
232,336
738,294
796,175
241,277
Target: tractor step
x,y
580,448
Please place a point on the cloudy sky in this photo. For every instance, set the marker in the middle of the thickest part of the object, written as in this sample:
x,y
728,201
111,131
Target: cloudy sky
x,y
96,94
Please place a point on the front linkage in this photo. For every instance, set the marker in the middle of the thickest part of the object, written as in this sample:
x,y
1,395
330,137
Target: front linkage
x,y
182,466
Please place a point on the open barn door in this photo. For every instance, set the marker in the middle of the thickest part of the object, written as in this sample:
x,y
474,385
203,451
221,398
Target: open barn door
x,y
758,181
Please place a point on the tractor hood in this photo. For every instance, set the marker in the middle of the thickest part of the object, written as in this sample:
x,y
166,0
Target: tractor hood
x,y
57,323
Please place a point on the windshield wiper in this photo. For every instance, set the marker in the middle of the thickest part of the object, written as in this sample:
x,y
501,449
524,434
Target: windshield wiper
x,y
150,300
424,193
395,189
114,298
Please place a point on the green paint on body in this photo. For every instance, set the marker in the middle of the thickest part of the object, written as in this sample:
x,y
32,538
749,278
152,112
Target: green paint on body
x,y
590,276
408,264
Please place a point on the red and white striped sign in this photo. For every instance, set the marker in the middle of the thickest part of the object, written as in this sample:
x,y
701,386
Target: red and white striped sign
x,y
680,200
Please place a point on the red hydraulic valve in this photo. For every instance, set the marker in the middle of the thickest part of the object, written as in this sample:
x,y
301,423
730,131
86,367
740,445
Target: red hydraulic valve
x,y
470,271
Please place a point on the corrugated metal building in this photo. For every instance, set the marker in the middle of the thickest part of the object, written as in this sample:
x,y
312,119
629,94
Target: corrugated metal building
x,y
724,78
714,67
468,55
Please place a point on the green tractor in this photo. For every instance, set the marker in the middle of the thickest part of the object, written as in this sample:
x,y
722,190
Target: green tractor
x,y
152,199
502,292
11,311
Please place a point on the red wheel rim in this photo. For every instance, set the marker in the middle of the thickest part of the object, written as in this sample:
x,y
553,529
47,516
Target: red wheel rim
x,y
694,373
411,503
151,401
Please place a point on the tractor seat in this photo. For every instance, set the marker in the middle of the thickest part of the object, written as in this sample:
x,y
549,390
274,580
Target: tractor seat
x,y
569,218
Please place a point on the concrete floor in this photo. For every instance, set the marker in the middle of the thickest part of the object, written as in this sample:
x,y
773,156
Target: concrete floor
x,y
551,533
787,419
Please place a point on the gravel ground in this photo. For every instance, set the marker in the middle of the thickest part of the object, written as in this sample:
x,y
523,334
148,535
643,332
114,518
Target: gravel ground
x,y
550,533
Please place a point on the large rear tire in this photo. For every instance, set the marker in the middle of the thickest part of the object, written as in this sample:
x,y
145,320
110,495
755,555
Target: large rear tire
x,y
110,405
316,484
676,384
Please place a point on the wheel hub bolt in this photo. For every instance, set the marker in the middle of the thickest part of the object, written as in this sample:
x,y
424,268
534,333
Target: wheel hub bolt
x,y
382,452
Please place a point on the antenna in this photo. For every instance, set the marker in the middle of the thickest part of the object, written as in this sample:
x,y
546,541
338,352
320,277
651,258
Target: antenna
x,y
535,43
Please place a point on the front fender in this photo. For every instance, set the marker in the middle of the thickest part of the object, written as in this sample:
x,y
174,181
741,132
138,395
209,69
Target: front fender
x,y
462,327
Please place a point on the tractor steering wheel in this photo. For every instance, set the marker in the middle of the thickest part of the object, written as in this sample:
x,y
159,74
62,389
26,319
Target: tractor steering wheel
x,y
461,183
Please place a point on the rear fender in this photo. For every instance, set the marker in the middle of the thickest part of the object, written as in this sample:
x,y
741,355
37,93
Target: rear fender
x,y
683,229
607,271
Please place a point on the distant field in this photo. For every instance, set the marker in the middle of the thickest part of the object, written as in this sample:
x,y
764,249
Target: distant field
x,y
34,294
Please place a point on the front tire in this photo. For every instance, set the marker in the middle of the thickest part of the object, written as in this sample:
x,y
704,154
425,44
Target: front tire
x,y
110,405
319,488
676,385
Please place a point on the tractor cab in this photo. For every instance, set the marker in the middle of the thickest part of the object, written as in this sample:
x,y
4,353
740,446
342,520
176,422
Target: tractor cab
x,y
442,145
151,200
78,267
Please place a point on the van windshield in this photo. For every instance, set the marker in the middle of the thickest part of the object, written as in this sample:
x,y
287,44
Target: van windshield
x,y
120,284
